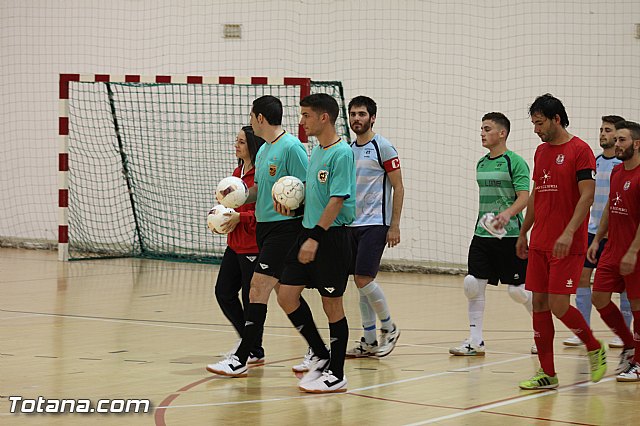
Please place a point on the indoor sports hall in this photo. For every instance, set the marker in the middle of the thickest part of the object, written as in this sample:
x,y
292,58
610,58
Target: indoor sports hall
x,y
119,119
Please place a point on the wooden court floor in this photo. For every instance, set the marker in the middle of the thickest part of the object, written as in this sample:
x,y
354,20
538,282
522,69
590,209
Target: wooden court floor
x,y
140,329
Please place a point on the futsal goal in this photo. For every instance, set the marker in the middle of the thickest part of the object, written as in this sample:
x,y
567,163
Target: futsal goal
x,y
140,158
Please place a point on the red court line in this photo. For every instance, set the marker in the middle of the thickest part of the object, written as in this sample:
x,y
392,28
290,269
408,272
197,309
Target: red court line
x,y
404,402
487,404
160,412
519,416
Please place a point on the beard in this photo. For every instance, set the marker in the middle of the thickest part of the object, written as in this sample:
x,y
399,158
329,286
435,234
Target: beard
x,y
625,154
364,128
604,144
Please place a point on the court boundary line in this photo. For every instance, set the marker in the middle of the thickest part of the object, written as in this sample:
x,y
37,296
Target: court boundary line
x,y
514,400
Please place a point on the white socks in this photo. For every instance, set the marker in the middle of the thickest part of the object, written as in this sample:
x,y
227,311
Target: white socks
x,y
372,303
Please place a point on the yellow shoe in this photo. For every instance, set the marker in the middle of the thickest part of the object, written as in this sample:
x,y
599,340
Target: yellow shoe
x,y
598,361
540,381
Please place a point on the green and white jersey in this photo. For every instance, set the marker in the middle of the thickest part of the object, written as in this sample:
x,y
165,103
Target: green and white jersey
x,y
331,173
498,180
285,156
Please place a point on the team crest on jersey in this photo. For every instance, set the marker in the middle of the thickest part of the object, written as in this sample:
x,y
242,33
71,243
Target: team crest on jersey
x,y
272,169
560,159
322,176
627,184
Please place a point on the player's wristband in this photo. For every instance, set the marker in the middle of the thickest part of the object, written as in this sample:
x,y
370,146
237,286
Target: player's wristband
x,y
317,232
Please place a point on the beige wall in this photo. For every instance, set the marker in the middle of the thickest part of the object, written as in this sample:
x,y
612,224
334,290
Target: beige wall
x,y
433,66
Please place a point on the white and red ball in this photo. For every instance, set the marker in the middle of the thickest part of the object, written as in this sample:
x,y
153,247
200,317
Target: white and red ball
x,y
232,192
216,218
288,191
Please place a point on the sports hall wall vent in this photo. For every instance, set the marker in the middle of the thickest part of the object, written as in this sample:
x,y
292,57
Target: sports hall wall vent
x,y
232,31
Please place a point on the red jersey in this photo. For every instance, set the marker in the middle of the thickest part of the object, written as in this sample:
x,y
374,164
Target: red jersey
x,y
624,212
556,193
242,239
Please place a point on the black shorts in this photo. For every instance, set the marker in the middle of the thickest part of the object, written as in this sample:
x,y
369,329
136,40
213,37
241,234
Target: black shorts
x,y
603,242
329,272
275,239
495,260
368,243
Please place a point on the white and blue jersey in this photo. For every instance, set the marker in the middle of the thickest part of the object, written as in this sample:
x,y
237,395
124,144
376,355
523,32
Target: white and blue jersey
x,y
604,165
374,160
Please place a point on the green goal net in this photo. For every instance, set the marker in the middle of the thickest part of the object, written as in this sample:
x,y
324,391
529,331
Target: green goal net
x,y
144,160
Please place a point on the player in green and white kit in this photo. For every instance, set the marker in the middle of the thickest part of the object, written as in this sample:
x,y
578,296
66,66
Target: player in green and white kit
x,y
503,180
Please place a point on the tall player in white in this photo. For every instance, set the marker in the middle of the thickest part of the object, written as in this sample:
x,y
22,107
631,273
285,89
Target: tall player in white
x,y
379,198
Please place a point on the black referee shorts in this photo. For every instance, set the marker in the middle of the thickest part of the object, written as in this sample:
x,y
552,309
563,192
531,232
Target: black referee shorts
x,y
275,239
329,272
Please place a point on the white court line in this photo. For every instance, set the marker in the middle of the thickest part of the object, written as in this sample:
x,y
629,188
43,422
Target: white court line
x,y
446,348
148,324
505,403
20,316
443,373
395,382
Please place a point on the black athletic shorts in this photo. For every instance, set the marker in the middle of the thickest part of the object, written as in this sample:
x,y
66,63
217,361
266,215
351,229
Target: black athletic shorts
x,y
275,239
603,242
329,272
368,243
495,260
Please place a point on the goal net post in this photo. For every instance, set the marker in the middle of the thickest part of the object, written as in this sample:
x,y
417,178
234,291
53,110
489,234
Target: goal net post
x,y
140,157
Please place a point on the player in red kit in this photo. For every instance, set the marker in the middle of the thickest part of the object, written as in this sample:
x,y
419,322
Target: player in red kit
x,y
619,268
558,210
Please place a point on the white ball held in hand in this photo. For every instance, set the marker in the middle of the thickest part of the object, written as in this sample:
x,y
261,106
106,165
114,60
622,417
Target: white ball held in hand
x,y
232,192
490,224
288,191
216,218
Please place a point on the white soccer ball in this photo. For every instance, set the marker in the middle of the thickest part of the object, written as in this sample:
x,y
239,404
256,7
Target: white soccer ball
x,y
288,191
232,192
217,218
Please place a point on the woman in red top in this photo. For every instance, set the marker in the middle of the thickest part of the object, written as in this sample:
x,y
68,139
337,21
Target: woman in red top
x,y
236,268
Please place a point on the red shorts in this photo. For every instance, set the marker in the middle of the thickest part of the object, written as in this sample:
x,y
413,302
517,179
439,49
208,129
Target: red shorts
x,y
609,280
548,274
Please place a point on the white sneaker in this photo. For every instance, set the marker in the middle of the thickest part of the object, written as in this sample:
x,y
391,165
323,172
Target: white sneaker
x,y
388,340
230,366
256,358
534,349
616,342
573,341
303,367
325,383
631,374
626,359
316,368
362,349
468,349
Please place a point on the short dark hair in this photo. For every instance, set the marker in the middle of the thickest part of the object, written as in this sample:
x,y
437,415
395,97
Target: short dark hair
x,y
498,118
611,119
270,107
549,106
321,103
254,143
634,128
366,102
